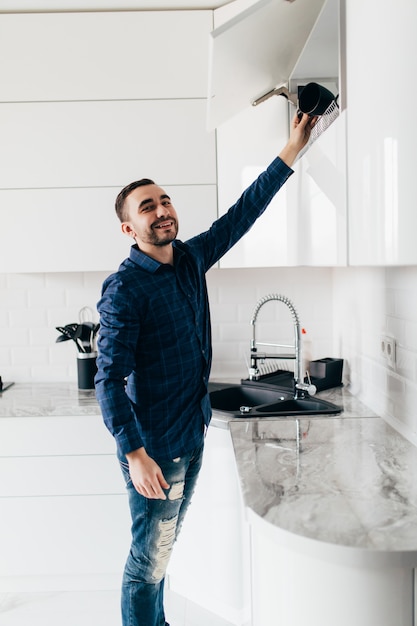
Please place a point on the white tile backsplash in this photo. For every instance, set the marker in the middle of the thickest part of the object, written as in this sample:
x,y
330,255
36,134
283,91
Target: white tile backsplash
x,y
34,304
368,303
344,310
235,293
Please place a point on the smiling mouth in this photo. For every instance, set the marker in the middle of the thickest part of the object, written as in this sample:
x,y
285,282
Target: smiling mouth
x,y
164,225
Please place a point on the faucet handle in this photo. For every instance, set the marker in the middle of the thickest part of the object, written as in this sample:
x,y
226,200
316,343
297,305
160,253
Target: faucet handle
x,y
311,389
308,387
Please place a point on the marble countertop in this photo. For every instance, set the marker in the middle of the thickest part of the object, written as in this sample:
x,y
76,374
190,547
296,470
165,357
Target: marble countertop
x,y
47,399
345,488
65,399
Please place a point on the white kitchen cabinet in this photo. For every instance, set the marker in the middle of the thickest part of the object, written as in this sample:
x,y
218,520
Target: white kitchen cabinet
x,y
25,436
381,134
247,144
292,587
317,200
63,536
89,103
256,51
33,239
305,224
64,510
40,476
104,55
102,144
210,563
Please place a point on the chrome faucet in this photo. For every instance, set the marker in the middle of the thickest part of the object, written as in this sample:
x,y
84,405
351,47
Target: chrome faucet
x,y
300,387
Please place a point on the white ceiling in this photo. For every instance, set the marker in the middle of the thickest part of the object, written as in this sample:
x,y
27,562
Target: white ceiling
x,y
16,6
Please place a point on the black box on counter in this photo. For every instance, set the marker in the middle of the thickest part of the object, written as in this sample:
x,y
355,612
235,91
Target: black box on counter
x,y
323,374
328,371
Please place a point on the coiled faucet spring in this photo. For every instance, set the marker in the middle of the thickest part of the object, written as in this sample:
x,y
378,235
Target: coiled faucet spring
x,y
280,298
254,373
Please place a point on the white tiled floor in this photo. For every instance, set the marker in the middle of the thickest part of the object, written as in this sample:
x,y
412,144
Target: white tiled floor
x,y
90,608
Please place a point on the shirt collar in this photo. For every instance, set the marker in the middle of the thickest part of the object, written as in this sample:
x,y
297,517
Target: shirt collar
x,y
148,263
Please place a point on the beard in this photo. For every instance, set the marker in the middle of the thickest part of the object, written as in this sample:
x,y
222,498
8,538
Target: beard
x,y
157,237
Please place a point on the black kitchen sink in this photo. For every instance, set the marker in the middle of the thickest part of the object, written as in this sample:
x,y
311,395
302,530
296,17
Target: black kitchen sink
x,y
300,406
237,396
241,401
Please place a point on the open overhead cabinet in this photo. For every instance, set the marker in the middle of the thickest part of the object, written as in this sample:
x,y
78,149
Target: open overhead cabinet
x,y
257,51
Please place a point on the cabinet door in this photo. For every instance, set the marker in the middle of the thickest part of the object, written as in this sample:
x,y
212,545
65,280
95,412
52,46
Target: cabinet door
x,y
90,102
246,145
305,224
381,133
256,51
62,165
104,55
317,199
102,144
209,565
54,435
74,536
76,230
36,476
63,502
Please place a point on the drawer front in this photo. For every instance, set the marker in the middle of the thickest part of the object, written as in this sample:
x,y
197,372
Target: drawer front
x,y
41,436
60,476
63,535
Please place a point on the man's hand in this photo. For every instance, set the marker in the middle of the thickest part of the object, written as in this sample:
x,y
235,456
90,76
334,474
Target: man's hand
x,y
146,475
299,136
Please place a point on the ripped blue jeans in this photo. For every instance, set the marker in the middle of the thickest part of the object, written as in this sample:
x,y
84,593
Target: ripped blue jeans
x,y
155,527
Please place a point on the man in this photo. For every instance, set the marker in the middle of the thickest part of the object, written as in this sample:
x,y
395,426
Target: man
x,y
154,364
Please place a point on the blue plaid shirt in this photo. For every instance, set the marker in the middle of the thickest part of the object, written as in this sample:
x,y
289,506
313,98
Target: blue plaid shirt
x,y
154,345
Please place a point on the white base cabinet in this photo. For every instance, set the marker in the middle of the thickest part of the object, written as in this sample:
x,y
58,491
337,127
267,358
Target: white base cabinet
x,y
293,587
64,514
65,520
210,562
63,536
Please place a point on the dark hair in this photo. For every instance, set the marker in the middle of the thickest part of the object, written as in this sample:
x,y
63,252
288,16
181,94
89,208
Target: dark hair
x,y
120,200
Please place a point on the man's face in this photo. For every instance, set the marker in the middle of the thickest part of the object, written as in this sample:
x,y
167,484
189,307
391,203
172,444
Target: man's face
x,y
152,220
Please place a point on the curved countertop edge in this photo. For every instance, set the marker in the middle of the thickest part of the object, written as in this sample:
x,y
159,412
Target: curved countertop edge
x,y
350,481
331,552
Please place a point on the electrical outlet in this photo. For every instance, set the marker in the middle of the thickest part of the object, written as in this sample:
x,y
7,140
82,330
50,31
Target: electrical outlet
x,y
388,350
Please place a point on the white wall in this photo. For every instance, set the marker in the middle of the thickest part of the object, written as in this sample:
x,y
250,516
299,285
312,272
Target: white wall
x,y
31,306
368,303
